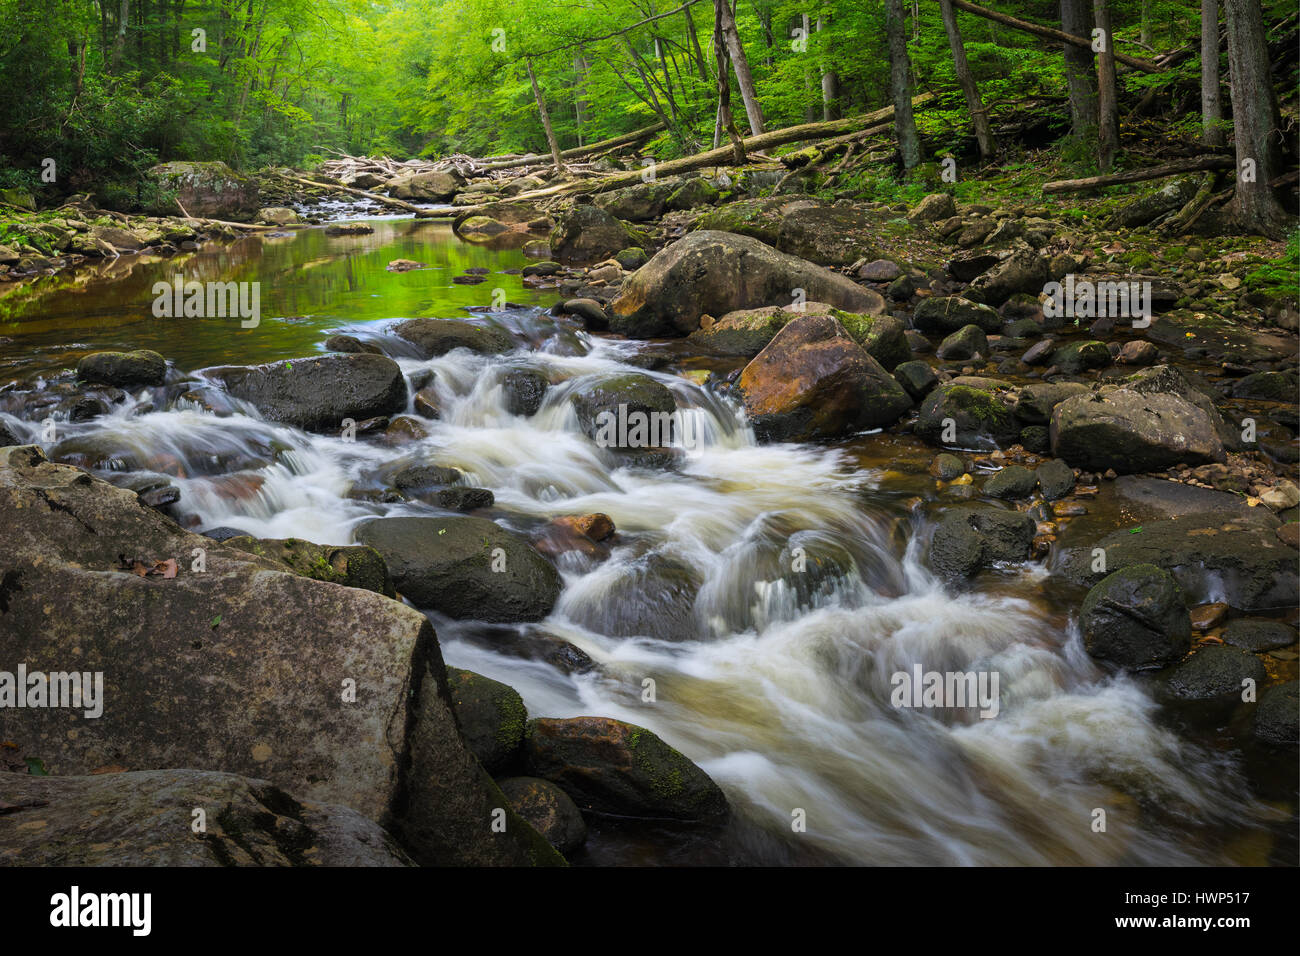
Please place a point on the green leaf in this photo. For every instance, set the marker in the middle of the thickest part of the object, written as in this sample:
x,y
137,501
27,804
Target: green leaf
x,y
35,767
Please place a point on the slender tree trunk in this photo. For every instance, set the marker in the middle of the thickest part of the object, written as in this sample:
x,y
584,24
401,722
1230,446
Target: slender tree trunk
x,y
583,70
1255,119
979,115
724,122
810,113
119,41
1080,76
1211,104
830,85
900,85
1107,102
1144,36
546,119
753,112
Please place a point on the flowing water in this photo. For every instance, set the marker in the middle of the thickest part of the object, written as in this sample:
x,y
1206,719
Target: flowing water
x,y
777,683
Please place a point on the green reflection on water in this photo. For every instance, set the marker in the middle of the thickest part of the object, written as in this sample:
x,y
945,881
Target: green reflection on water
x,y
310,283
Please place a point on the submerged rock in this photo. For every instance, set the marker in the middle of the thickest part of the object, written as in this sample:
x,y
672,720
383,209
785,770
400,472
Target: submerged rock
x,y
434,337
123,369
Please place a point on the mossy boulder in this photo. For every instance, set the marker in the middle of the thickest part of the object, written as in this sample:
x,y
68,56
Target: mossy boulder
x,y
1277,718
883,337
959,416
434,337
1215,672
590,234
353,566
1077,357
971,539
949,313
1134,432
608,766
613,398
211,190
123,369
744,332
491,716
549,809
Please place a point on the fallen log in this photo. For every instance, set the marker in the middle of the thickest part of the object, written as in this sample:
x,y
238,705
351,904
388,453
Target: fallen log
x,y
385,200
625,140
715,157
1146,66
1193,165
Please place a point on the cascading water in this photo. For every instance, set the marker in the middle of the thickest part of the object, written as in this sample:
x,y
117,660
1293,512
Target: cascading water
x,y
776,681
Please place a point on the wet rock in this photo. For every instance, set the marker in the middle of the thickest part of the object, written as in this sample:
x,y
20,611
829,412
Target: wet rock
x,y
317,394
1277,718
1055,478
349,229
418,477
1137,352
549,809
243,632
524,390
7,436
1012,482
881,336
1024,270
630,398
593,314
716,273
631,258
1076,357
1136,618
1259,634
1213,556
115,819
746,332
589,234
970,539
123,369
1215,672
813,381
491,716
609,766
963,417
210,190
1133,432
917,378
350,343
1035,402
436,185
947,467
434,337
1269,387
466,568
965,343
951,313
545,268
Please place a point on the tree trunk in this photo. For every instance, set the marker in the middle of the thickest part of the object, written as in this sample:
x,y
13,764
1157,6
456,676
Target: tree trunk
x,y
724,120
582,70
1211,105
1107,104
726,23
1193,165
830,84
979,115
1047,33
1144,36
546,119
1079,71
900,85
119,41
810,113
1255,119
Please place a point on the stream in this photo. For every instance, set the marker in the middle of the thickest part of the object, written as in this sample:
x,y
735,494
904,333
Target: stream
x,y
777,685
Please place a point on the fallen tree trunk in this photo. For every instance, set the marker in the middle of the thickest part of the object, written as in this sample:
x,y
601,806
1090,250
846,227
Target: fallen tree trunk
x,y
1146,66
1193,165
714,157
626,139
385,200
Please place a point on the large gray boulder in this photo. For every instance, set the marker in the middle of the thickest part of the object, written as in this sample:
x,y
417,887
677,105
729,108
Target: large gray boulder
x,y
590,234
210,190
715,273
336,694
464,567
1133,432
812,229
317,394
146,818
434,186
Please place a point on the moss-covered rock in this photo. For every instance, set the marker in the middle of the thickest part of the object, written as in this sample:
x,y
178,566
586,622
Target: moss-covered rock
x,y
959,416
353,566
123,369
491,716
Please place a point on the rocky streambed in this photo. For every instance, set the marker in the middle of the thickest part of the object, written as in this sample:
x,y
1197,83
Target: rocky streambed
x,y
882,454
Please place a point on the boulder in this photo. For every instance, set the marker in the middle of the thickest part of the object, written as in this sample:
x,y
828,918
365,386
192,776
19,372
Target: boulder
x,y
434,337
464,567
336,694
1136,618
716,273
693,193
1022,270
969,539
952,312
621,397
590,234
959,416
1035,402
1012,482
917,378
883,337
746,332
209,190
277,216
1259,634
967,342
143,818
352,566
437,185
811,229
813,381
1055,479
608,766
317,394
1277,718
1215,672
933,208
549,809
1077,357
523,390
491,716
123,369
1151,206
640,202
1133,432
